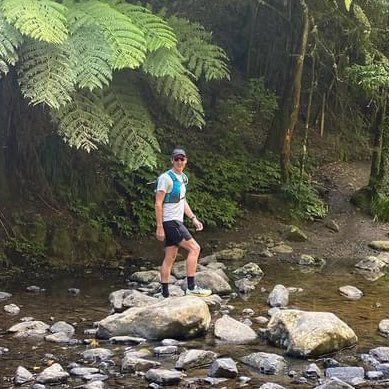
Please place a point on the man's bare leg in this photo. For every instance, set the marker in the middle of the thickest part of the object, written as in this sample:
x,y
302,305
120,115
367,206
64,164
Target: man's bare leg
x,y
166,268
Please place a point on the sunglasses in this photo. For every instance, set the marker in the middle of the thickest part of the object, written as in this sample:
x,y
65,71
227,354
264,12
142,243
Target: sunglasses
x,y
179,159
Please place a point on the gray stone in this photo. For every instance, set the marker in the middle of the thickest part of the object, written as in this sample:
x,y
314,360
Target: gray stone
x,y
195,358
295,234
230,330
371,264
249,270
53,374
233,254
58,337
278,297
82,371
266,363
12,309
224,368
245,285
334,383
312,371
310,260
346,374
208,260
282,249
93,385
132,364
62,326
332,225
382,245
181,317
5,296
97,354
29,328
22,376
127,340
145,277
309,333
383,327
271,385
380,353
165,350
164,376
350,292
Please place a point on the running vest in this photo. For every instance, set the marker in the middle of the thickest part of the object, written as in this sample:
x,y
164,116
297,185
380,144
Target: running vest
x,y
175,195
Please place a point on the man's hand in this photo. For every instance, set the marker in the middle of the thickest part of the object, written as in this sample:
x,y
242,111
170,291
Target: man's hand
x,y
197,224
160,234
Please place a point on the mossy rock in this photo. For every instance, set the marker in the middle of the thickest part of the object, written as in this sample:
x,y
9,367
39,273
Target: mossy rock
x,y
363,198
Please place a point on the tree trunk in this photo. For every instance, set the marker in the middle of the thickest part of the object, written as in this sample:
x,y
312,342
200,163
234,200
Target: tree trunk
x,y
377,148
381,184
287,133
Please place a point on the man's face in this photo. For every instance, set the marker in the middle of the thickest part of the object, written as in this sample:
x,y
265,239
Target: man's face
x,y
179,162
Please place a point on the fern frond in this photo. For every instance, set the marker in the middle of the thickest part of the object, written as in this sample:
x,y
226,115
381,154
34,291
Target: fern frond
x,y
44,20
183,99
83,123
164,62
92,58
157,32
45,73
132,137
126,40
202,58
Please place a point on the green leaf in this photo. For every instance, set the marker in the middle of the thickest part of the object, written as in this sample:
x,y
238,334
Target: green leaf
x,y
126,40
132,137
347,3
44,20
164,62
92,58
10,40
157,32
83,123
46,73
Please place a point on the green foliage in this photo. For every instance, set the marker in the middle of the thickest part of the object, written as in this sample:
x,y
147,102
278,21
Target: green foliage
x,y
305,201
380,208
84,123
347,4
25,253
46,73
44,20
10,40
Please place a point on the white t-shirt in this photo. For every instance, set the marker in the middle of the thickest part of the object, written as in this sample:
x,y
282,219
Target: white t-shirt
x,y
172,211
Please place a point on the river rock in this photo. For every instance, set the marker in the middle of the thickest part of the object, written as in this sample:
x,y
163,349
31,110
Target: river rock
x,y
29,328
306,334
234,254
372,264
379,245
213,280
279,296
271,385
62,326
295,234
94,385
127,340
348,374
132,364
164,376
266,363
245,285
195,358
380,353
22,376
83,371
216,266
282,249
179,269
145,277
53,374
350,292
383,327
97,354
332,225
334,383
208,260
249,270
310,260
137,299
58,337
230,330
5,296
181,317
224,368
12,309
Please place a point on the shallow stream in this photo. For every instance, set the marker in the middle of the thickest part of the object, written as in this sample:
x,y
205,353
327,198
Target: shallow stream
x,y
320,293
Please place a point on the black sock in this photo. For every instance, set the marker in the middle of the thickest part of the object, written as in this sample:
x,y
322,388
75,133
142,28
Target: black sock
x,y
165,289
191,283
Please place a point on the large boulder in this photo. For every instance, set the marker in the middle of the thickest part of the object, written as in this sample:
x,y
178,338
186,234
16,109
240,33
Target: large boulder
x,y
309,333
178,318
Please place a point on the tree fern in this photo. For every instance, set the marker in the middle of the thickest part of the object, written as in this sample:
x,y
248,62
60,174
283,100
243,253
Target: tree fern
x,y
164,62
10,39
202,58
44,20
83,123
46,74
92,57
123,36
157,32
132,137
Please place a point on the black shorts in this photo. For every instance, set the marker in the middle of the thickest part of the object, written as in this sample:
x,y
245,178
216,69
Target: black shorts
x,y
175,232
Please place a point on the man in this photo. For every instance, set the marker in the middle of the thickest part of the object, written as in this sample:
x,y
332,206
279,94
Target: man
x,y
170,207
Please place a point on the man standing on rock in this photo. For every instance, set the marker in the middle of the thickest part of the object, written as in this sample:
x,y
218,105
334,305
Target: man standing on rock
x,y
170,207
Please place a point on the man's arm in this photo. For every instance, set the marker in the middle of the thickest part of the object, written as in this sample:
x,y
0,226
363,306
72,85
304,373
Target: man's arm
x,y
159,197
189,213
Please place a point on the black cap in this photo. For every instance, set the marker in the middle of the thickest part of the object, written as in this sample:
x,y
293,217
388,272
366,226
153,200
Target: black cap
x,y
177,152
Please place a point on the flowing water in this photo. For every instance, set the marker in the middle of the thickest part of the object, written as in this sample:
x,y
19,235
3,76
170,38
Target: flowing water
x,y
320,293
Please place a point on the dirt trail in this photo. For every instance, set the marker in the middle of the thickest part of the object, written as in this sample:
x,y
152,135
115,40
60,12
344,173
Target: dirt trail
x,y
356,228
